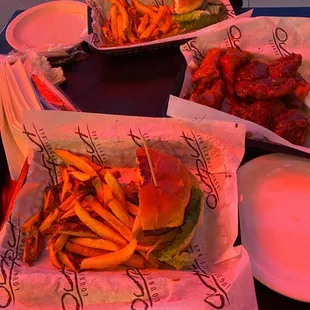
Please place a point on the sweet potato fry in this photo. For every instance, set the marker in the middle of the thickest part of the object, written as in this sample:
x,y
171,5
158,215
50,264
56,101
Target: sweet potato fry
x,y
109,217
115,187
110,260
47,223
97,243
119,211
83,250
132,208
68,260
76,161
149,30
143,9
60,242
98,227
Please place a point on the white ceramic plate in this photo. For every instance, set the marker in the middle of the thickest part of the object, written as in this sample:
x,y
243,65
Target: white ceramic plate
x,y
51,24
274,206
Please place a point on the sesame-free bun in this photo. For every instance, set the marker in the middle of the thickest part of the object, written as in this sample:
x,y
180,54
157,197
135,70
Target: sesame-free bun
x,y
162,206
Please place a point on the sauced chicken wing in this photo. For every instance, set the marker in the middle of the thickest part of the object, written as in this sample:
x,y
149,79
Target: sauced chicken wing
x,y
211,97
254,70
265,88
209,69
260,112
285,67
230,63
291,125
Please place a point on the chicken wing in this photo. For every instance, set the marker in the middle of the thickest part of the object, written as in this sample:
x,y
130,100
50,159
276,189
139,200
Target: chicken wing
x,y
254,70
260,112
265,88
285,67
302,88
291,125
230,63
209,68
211,97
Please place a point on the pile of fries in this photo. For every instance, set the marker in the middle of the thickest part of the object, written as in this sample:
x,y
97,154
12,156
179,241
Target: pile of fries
x,y
135,23
90,219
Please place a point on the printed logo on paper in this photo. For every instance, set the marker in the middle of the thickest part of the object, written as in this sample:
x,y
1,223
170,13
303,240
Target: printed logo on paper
x,y
200,153
215,284
10,264
74,290
230,11
278,42
48,158
191,46
137,138
145,294
233,38
92,146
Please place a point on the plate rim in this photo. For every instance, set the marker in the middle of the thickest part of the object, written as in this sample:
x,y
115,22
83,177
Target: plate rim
x,y
12,25
257,269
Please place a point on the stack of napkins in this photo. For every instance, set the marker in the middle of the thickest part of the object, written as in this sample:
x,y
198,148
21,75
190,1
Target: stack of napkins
x,y
26,85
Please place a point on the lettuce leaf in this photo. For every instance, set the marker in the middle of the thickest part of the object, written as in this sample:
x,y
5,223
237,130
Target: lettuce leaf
x,y
200,18
174,254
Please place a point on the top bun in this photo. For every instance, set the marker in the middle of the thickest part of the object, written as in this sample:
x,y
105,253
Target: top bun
x,y
186,6
162,206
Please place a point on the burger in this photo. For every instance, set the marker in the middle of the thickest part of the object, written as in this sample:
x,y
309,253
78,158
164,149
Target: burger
x,y
170,209
191,15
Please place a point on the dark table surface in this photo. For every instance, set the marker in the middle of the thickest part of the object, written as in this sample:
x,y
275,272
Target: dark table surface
x,y
140,84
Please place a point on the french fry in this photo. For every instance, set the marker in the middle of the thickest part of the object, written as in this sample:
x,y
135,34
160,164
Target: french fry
x,y
75,161
119,211
113,16
97,243
33,223
110,260
168,20
124,3
53,255
171,33
115,187
109,217
99,228
34,244
70,201
132,208
47,223
143,24
71,213
83,250
75,229
81,176
95,166
51,200
107,194
60,242
153,8
136,228
143,9
155,33
136,261
121,35
68,260
65,186
149,30
122,20
98,185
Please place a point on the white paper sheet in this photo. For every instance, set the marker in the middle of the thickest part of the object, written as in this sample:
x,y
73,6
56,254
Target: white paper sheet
x,y
267,38
100,9
112,140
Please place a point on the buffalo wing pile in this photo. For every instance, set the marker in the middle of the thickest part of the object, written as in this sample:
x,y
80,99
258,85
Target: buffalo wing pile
x,y
271,95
